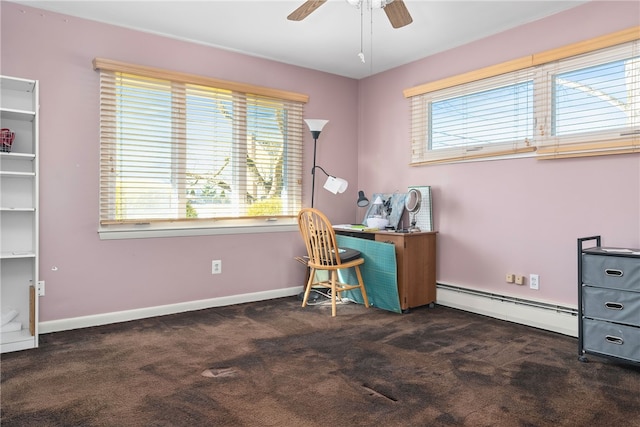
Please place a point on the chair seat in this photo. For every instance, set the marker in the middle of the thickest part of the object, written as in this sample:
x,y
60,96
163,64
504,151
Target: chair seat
x,y
348,254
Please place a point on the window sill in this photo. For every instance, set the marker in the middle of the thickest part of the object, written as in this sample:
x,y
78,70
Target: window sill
x,y
528,152
146,231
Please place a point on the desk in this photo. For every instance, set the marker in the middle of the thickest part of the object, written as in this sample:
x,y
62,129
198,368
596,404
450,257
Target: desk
x,y
416,263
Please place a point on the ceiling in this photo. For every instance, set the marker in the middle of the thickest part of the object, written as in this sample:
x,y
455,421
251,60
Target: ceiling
x,y
327,40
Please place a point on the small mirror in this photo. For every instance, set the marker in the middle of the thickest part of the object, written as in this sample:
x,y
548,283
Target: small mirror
x,y
412,205
412,202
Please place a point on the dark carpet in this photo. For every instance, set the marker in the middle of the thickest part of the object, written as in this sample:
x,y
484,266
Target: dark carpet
x,y
273,363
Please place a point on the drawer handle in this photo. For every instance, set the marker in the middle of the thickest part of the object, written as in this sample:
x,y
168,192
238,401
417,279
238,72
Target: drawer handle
x,y
613,272
614,305
614,340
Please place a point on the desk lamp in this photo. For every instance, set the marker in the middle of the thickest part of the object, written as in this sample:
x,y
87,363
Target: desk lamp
x,y
333,184
362,199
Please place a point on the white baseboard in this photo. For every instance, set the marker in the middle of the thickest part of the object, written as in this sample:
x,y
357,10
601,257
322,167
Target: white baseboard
x,y
537,314
542,315
143,313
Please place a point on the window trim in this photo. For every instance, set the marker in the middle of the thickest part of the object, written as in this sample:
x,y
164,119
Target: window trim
x,y
144,231
159,73
533,62
174,228
586,46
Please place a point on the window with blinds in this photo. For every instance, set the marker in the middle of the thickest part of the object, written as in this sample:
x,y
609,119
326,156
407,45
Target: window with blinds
x,y
593,104
575,101
489,117
177,152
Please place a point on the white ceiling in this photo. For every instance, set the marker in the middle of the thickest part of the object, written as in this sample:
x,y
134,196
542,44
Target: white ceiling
x,y
327,40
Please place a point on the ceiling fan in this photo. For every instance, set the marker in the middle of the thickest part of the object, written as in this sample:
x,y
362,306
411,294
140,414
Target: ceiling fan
x,y
395,9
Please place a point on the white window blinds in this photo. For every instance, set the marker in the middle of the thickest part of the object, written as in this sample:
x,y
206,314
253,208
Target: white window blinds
x,y
593,104
171,150
578,100
486,118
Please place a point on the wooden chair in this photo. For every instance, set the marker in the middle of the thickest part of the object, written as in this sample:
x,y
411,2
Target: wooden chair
x,y
324,255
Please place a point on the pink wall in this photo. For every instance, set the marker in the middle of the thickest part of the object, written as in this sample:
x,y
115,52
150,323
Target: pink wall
x,y
95,276
510,216
520,216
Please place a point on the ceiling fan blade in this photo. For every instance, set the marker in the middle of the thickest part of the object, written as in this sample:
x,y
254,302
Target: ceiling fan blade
x,y
305,10
398,14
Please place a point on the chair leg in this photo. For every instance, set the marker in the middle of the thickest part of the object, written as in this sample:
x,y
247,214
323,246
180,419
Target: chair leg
x,y
334,279
362,290
307,290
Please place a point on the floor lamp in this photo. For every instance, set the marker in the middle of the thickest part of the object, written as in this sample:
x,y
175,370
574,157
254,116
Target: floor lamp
x,y
333,184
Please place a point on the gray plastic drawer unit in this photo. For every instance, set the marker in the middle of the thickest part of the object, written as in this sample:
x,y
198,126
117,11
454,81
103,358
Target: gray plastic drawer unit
x,y
608,302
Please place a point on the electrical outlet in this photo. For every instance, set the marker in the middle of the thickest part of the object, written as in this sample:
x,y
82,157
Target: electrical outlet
x,y
40,288
509,278
216,266
519,280
534,281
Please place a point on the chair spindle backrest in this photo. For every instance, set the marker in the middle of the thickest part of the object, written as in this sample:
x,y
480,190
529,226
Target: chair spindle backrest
x,y
319,237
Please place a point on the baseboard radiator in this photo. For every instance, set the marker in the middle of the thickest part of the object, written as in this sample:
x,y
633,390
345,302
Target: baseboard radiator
x,y
537,314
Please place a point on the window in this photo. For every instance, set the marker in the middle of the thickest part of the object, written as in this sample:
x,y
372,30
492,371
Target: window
x,y
181,152
593,98
595,104
488,117
574,101
493,116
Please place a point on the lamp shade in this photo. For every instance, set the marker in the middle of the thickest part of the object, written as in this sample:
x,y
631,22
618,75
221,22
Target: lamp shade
x,y
316,125
335,185
378,201
362,199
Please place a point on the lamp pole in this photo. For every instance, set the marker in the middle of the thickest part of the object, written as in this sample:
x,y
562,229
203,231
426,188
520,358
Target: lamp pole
x,y
315,126
315,135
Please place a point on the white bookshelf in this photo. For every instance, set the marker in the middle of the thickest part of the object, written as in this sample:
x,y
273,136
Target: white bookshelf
x,y
19,214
